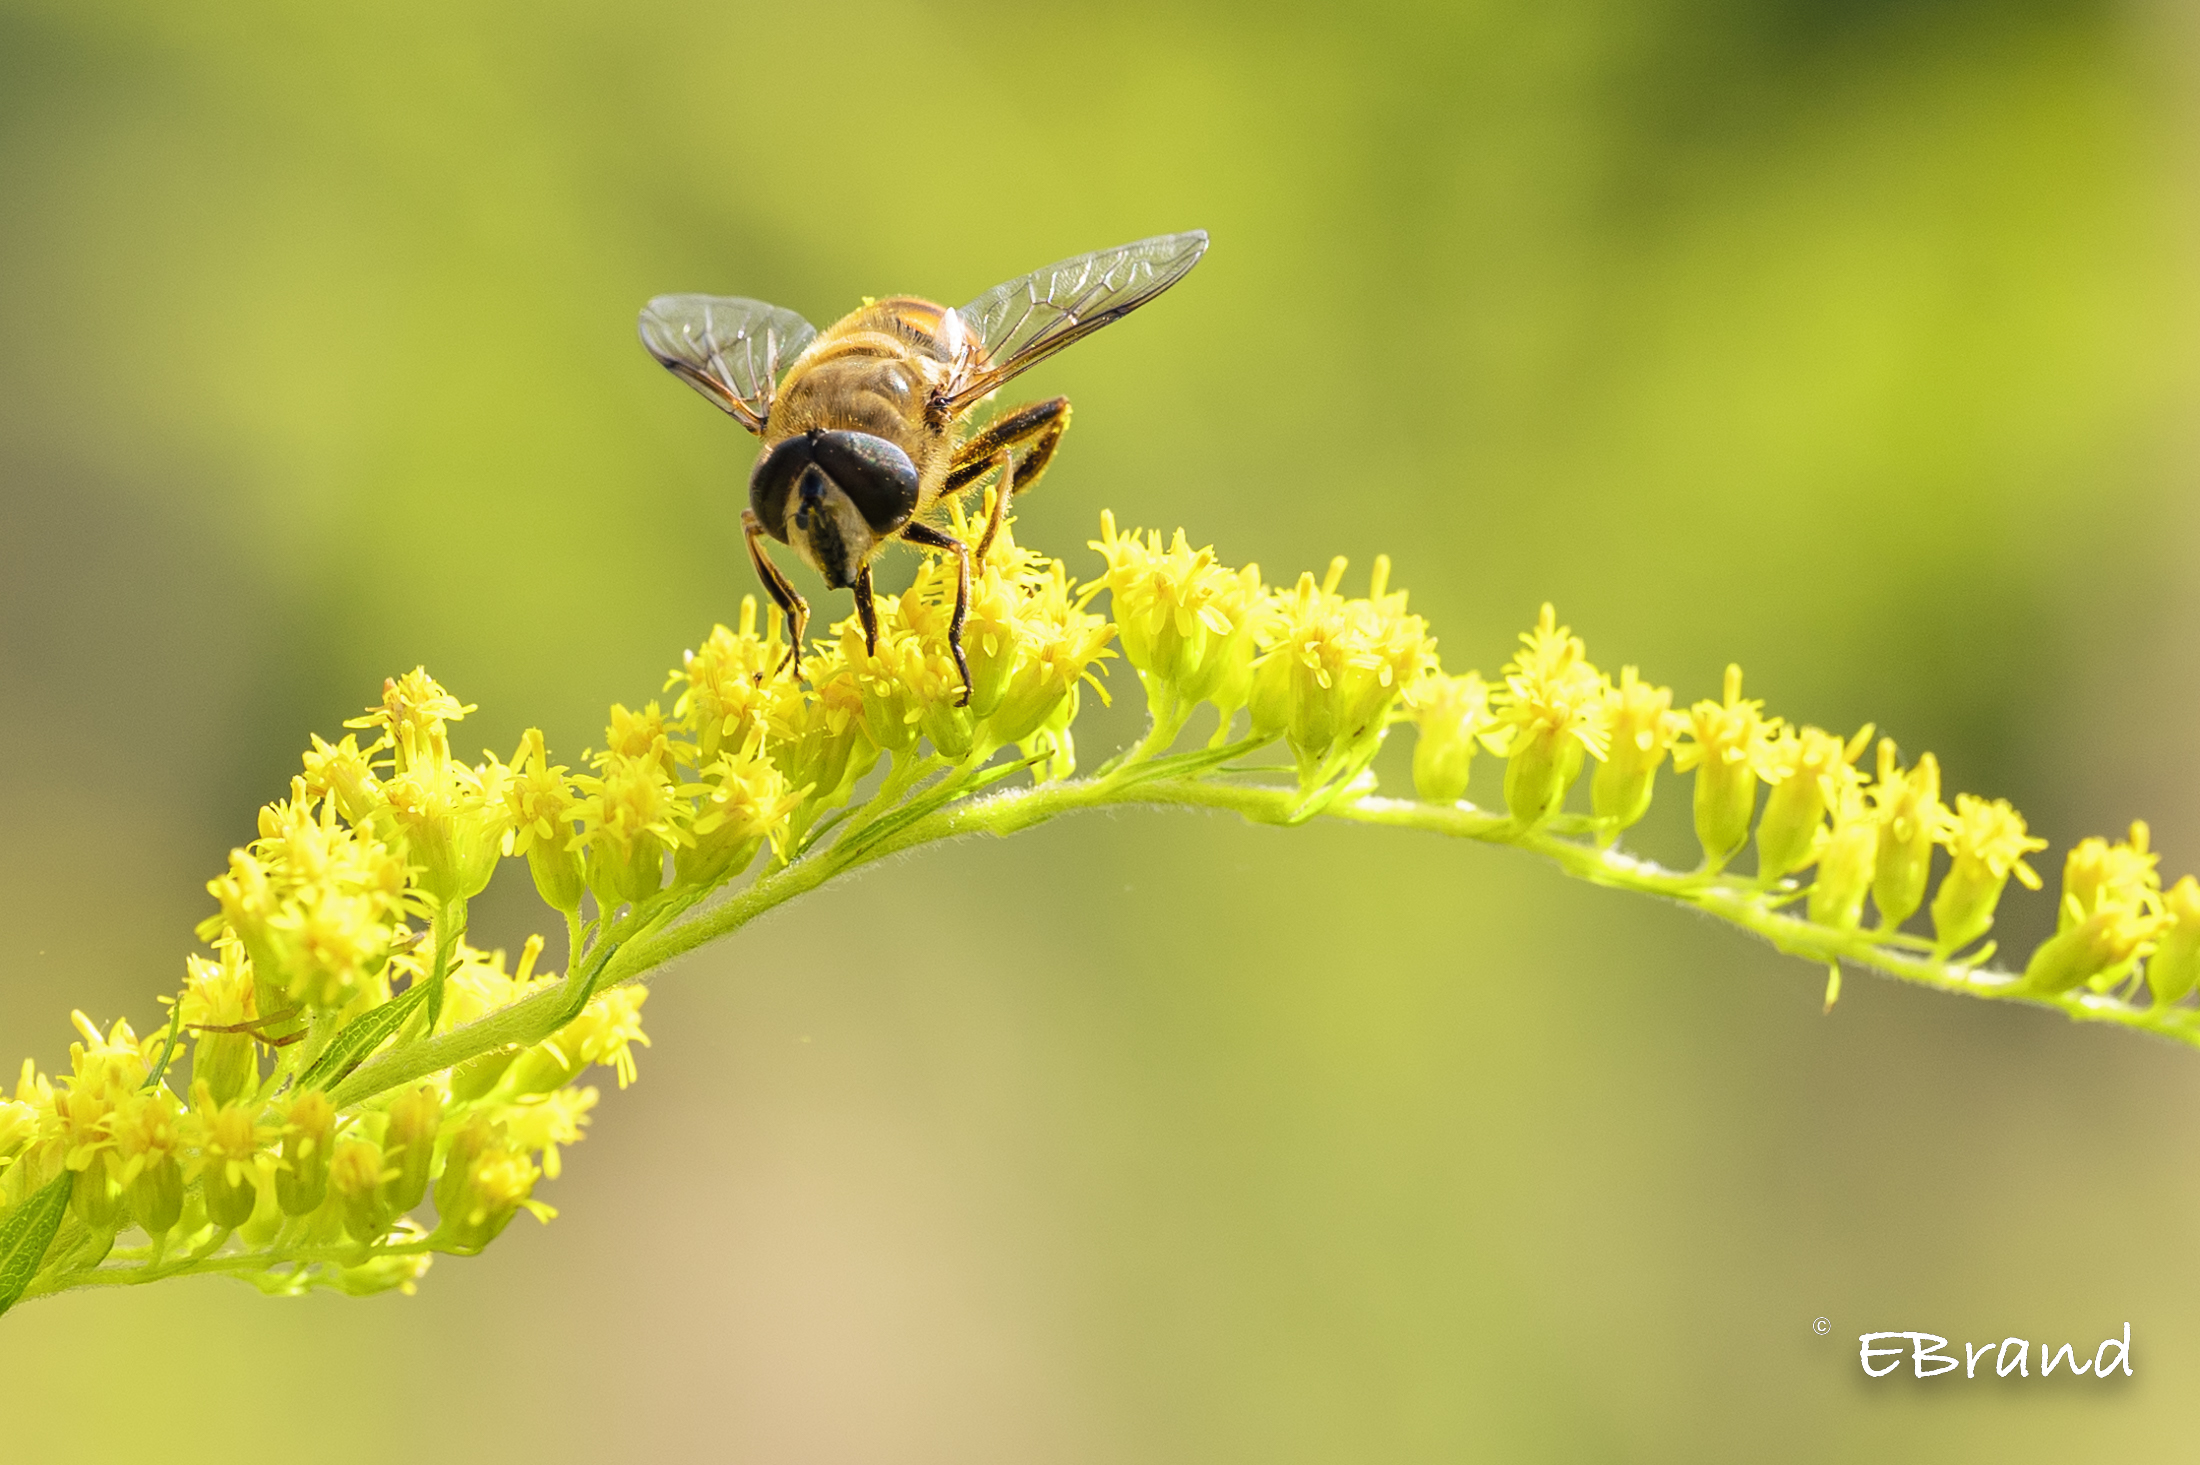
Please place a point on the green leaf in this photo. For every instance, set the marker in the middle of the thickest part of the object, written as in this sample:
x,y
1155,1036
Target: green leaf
x,y
26,1233
359,1037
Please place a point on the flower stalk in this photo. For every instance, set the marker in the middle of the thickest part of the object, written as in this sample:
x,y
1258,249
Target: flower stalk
x,y
345,1088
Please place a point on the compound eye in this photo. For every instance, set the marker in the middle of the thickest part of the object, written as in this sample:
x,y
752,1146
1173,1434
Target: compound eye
x,y
772,483
877,476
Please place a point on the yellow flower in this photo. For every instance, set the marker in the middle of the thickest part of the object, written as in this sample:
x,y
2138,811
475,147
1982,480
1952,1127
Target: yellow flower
x,y
1848,855
539,809
1732,741
543,1122
1987,843
605,1032
1043,650
1453,716
495,1184
2111,911
412,718
318,905
1187,623
1808,770
1912,819
309,1142
1331,669
743,801
631,816
728,683
148,1150
1638,726
408,1147
232,1156
816,737
355,1177
2100,876
1551,712
345,772
221,994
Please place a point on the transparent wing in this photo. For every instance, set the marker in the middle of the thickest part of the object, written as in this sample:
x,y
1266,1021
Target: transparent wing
x,y
731,350
1022,322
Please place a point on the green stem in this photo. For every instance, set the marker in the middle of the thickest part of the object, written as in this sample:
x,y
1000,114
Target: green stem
x,y
652,943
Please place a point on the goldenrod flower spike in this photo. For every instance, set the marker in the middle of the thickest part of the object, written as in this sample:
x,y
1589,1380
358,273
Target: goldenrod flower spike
x,y
345,1087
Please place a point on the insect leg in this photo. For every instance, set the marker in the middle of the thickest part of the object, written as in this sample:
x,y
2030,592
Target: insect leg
x,y
1039,425
865,610
1001,493
917,532
791,605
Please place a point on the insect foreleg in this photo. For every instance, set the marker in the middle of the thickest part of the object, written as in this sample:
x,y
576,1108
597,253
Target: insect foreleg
x,y
924,534
866,611
791,605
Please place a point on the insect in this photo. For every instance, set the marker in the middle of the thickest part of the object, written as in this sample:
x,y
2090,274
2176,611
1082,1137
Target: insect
x,y
862,424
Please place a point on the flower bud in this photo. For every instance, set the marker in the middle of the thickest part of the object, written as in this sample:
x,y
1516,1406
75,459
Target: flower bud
x,y
1543,766
355,1176
474,1138
408,1147
156,1197
309,1141
2106,942
1452,715
93,1195
2174,968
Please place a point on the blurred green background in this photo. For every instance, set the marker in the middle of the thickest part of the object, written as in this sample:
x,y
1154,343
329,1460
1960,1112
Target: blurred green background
x,y
1848,339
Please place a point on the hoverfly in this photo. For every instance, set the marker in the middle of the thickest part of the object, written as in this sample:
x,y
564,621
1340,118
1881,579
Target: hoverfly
x,y
862,423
